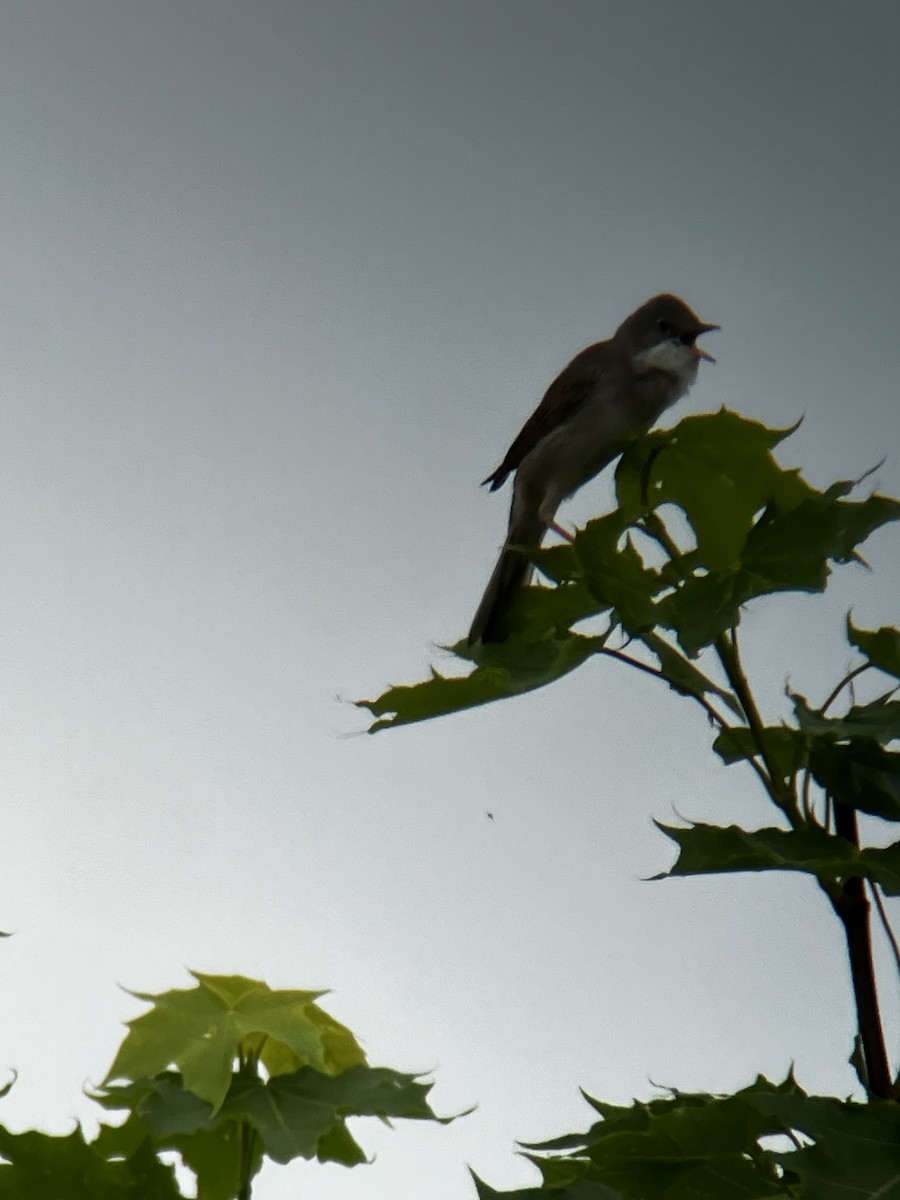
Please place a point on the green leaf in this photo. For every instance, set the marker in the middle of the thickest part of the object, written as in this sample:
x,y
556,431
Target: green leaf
x,y
120,1141
168,1107
712,849
289,1126
718,468
784,746
785,550
505,669
860,774
881,646
178,1120
789,549
337,1145
39,1166
293,1112
213,1152
702,1147
703,608
615,573
202,1031
856,1150
215,1157
582,1190
682,1147
878,721
301,1114
560,1172
760,529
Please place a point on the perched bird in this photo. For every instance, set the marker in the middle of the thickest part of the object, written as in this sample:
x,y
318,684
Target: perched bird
x,y
608,394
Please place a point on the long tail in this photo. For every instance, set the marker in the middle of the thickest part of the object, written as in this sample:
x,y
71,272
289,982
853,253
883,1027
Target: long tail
x,y
511,572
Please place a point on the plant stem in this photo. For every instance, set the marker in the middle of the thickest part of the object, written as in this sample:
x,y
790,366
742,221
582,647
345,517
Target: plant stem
x,y
780,791
657,673
854,912
715,717
245,1168
885,924
848,678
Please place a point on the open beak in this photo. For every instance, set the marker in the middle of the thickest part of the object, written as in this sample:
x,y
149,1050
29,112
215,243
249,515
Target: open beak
x,y
703,353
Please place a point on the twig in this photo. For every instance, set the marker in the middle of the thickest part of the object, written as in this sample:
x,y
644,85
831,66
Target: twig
x,y
715,716
783,795
711,712
840,687
655,529
885,923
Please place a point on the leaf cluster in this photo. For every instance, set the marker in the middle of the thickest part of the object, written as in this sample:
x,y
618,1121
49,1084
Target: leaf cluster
x,y
766,1141
225,1074
707,521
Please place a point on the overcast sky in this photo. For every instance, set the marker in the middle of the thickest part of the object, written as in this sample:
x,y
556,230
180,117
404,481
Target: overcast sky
x,y
281,280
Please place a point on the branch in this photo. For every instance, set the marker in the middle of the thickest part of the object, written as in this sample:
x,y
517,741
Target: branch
x,y
885,923
782,794
714,716
658,673
840,687
727,650
849,902
655,529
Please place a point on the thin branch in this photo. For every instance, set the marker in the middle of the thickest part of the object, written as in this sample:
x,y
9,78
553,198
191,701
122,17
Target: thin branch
x,y
658,673
729,657
885,923
708,708
798,1145
655,529
782,794
844,682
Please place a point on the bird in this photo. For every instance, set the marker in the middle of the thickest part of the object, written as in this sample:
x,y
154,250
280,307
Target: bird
x,y
608,395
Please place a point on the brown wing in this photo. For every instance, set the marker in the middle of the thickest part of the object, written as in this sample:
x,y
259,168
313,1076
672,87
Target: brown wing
x,y
563,398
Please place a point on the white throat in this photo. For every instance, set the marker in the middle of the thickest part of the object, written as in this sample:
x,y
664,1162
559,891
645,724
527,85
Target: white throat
x,y
675,359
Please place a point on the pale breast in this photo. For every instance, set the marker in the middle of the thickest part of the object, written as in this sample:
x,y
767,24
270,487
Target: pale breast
x,y
673,360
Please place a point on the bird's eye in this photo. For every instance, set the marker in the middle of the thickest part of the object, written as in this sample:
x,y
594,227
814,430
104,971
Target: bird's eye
x,y
664,328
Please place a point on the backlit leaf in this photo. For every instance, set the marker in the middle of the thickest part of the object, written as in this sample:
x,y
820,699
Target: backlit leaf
x,y
879,721
202,1030
712,849
40,1166
880,646
860,774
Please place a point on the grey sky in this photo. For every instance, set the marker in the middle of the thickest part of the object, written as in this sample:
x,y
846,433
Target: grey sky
x,y
280,283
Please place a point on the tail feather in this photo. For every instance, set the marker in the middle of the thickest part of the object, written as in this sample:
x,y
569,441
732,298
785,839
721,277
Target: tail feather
x,y
512,571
